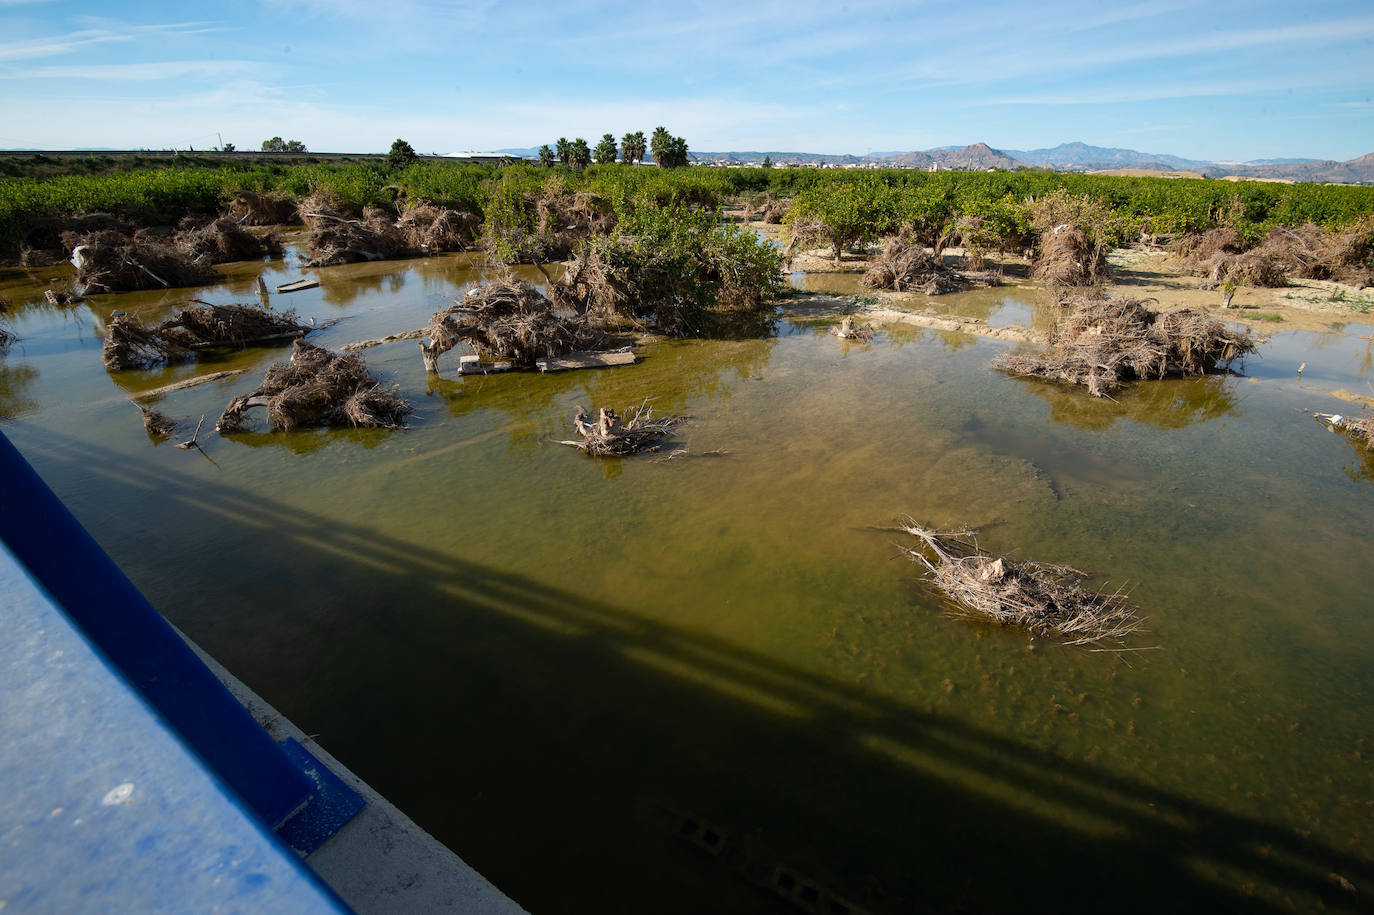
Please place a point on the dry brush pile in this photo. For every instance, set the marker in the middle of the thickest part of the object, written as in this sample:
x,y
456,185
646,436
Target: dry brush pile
x,y
1220,256
223,240
318,388
1103,342
507,319
1068,257
336,238
110,261
1046,600
436,229
906,266
131,344
254,209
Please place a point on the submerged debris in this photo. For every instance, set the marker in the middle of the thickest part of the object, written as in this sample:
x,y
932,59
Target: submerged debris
x,y
224,240
609,436
906,265
131,344
1104,342
1360,428
6,336
1068,258
1047,600
110,261
157,425
318,388
847,331
509,319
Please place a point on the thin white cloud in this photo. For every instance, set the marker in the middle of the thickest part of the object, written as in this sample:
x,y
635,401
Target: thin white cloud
x,y
169,69
57,45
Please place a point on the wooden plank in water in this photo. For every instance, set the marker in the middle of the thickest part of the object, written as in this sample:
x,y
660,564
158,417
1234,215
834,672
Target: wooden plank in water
x,y
298,285
604,359
189,383
473,365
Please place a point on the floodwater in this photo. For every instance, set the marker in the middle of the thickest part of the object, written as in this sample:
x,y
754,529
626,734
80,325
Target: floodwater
x,y
714,683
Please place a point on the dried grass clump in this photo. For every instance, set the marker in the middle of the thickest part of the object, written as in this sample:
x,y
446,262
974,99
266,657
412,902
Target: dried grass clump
x,y
1046,600
609,436
318,388
437,229
1104,342
1068,258
131,344
254,209
224,240
339,239
905,265
508,319
110,261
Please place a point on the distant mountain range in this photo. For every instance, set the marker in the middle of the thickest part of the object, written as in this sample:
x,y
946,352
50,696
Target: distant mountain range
x,y
1066,157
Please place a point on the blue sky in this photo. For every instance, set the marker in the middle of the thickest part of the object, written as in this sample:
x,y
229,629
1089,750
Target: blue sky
x,y
1225,81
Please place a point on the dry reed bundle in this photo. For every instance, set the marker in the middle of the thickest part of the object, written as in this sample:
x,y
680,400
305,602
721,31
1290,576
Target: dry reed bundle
x,y
436,229
110,261
254,209
318,388
1046,600
1068,258
509,319
224,240
610,436
131,344
339,239
905,265
1104,342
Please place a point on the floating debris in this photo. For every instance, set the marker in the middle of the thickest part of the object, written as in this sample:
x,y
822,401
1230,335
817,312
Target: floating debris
x,y
507,319
610,436
1104,342
907,266
318,388
847,331
223,240
131,344
157,425
1047,600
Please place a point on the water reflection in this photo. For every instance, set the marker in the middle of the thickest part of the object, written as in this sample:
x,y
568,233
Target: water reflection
x,y
1170,403
14,398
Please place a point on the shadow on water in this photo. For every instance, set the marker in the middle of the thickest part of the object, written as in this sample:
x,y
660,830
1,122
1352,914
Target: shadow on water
x,y
553,738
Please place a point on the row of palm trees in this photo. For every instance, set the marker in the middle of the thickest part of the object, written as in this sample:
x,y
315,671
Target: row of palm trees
x,y
669,151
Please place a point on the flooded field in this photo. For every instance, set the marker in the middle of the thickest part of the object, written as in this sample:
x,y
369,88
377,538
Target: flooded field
x,y
714,683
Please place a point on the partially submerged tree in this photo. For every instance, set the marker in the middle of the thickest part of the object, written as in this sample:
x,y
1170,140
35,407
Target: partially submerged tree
x,y
604,154
506,319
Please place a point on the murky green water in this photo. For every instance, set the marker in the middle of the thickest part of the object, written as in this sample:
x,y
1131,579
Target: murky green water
x,y
554,663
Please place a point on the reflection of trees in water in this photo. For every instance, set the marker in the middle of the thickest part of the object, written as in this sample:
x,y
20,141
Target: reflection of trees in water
x,y
14,401
341,289
899,334
1171,403
307,441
